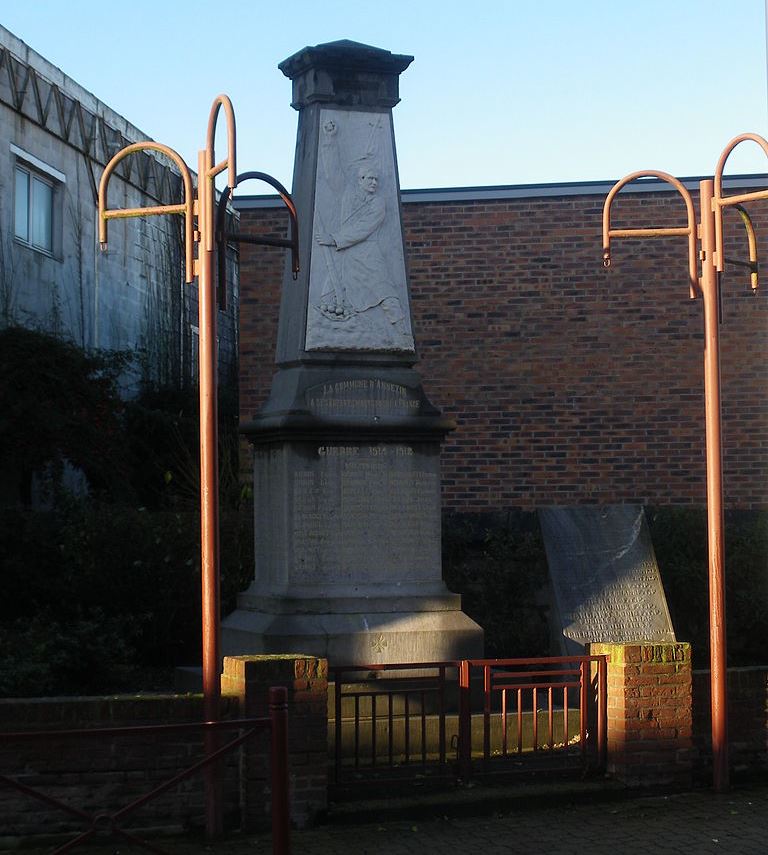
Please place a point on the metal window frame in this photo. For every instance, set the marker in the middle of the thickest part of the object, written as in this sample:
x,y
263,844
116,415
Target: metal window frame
x,y
33,175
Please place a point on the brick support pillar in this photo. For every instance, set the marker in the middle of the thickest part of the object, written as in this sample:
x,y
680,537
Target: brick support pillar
x,y
306,679
649,712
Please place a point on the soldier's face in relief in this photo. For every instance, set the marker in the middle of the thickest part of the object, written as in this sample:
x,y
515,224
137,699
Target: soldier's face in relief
x,y
369,182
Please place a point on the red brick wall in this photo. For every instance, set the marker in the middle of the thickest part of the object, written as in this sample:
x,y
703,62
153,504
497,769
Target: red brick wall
x,y
305,679
103,775
568,383
747,716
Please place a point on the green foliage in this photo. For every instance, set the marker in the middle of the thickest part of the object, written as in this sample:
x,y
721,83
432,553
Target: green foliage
x,y
97,593
680,542
104,590
162,451
161,427
497,563
45,656
57,403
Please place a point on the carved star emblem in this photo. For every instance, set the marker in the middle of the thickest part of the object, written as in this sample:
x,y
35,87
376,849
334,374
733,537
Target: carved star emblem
x,y
379,644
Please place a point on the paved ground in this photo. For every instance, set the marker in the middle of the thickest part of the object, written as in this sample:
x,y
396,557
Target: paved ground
x,y
688,824
598,823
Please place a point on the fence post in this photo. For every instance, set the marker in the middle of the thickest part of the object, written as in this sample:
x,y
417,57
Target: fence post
x,y
250,678
278,713
465,721
602,711
441,725
583,706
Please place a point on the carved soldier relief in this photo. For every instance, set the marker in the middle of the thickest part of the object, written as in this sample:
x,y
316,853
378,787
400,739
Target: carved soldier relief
x,y
358,295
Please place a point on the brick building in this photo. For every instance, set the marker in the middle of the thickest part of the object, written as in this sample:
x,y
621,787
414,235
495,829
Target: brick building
x,y
568,383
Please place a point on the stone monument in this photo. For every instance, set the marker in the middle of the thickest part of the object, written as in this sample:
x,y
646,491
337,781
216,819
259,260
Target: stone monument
x,y
605,581
347,447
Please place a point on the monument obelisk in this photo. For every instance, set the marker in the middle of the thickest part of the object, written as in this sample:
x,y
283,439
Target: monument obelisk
x,y
347,447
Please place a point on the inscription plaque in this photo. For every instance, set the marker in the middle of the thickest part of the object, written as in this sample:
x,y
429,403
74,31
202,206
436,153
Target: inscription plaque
x,y
362,397
605,580
364,513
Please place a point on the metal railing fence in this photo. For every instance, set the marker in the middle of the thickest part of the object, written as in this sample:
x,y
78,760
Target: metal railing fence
x,y
395,720
105,823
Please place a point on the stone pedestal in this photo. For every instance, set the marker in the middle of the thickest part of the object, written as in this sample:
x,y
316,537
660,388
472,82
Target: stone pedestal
x,y
347,447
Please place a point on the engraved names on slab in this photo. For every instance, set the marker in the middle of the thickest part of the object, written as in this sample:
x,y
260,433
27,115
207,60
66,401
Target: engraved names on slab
x,y
604,575
364,513
627,609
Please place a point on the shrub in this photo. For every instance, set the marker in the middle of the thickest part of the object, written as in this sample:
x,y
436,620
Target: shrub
x,y
97,594
680,542
497,563
103,590
58,404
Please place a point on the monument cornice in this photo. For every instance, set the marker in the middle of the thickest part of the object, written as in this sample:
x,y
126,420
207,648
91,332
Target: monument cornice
x,y
345,73
307,427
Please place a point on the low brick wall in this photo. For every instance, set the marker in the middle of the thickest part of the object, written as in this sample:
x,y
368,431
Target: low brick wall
x,y
100,775
104,774
306,681
747,718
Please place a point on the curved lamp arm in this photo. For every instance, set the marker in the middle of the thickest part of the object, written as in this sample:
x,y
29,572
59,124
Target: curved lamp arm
x,y
186,208
223,236
752,241
719,201
212,169
688,231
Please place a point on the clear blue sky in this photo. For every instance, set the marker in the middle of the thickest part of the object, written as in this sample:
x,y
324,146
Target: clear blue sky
x,y
500,91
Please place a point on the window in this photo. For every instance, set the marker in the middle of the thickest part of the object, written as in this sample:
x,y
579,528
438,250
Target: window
x,y
34,209
37,202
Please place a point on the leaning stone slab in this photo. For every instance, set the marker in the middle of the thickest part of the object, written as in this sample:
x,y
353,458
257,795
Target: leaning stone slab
x,y
605,581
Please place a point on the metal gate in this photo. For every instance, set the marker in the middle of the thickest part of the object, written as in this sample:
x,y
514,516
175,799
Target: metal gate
x,y
439,721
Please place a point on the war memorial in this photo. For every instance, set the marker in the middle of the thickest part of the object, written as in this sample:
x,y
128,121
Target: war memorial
x,y
347,447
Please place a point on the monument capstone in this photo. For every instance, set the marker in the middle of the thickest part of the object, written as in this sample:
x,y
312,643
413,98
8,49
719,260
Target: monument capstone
x,y
347,447
605,581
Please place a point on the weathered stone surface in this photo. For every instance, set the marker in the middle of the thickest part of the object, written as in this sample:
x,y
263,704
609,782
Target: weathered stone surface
x,y
345,72
605,581
347,446
349,516
358,295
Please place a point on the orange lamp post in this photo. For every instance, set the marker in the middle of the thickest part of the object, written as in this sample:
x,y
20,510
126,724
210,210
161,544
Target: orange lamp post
x,y
200,222
707,236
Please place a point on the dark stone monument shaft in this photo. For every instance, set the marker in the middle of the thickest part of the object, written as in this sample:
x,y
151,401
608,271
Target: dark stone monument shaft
x,y
347,447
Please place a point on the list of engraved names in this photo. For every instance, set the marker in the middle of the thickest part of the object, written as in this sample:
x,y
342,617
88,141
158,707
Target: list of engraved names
x,y
627,609
365,513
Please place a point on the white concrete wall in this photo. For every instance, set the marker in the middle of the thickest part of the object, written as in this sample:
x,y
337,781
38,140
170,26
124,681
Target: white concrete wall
x,y
133,295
